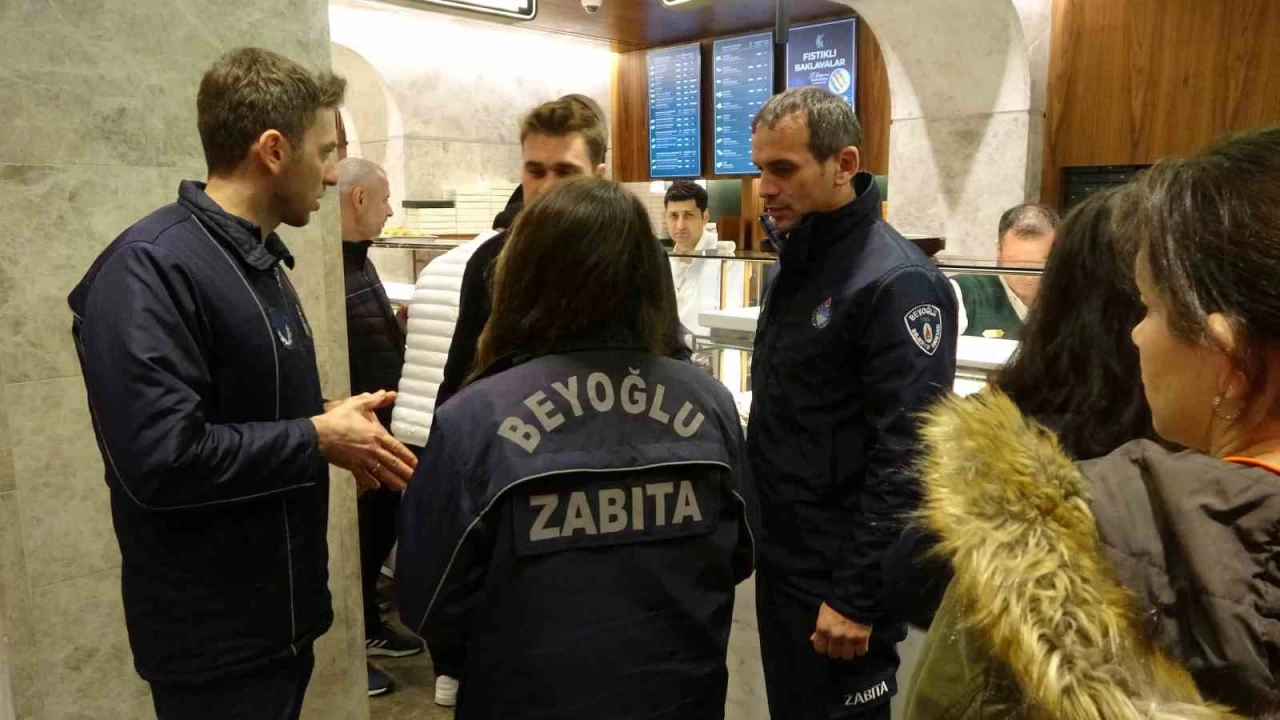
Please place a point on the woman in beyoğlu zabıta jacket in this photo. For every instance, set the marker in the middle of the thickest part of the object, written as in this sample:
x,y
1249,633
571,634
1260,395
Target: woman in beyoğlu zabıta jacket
x,y
574,547
1145,584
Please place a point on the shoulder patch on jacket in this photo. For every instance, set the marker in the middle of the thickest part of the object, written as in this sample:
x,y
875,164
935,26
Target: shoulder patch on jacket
x,y
924,323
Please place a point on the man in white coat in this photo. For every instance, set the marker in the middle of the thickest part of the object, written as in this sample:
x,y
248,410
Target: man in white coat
x,y
433,315
697,282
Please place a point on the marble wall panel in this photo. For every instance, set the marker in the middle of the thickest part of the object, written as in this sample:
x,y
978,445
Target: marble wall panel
x,y
65,505
371,111
7,479
1035,155
950,59
338,686
85,664
956,177
746,698
99,131
433,168
1037,30
82,96
474,79
457,108
13,607
57,220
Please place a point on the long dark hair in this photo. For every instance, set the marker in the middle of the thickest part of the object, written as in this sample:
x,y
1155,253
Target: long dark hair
x,y
581,266
1076,367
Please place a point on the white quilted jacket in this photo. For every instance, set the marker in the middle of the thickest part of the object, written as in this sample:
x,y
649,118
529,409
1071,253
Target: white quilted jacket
x,y
433,313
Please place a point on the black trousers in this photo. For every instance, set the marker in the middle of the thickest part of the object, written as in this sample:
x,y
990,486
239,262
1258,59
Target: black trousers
x,y
803,685
274,693
376,511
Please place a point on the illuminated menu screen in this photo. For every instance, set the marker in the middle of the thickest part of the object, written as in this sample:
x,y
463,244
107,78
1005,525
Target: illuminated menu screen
x,y
675,121
743,68
824,55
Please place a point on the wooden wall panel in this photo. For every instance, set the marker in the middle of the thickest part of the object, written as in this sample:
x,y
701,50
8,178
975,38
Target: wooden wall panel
x,y
873,102
631,111
1132,81
630,118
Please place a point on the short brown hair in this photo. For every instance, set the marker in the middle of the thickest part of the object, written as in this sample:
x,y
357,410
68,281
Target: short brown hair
x,y
1029,220
833,126
1208,229
565,116
250,91
599,233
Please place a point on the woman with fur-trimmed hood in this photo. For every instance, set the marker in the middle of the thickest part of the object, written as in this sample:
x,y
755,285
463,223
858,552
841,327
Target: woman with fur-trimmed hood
x,y
1145,584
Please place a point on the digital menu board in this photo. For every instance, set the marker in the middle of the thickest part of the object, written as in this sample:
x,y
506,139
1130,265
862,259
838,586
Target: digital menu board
x,y
675,119
743,70
823,55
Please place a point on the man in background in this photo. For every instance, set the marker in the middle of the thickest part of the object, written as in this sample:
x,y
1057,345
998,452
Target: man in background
x,y
697,282
995,306
558,139
375,345
201,376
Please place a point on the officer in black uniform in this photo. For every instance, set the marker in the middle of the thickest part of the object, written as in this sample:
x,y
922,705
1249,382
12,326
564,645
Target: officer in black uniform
x,y
574,547
856,336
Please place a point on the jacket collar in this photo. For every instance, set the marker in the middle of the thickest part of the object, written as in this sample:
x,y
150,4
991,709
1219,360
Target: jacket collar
x,y
820,231
241,236
520,357
357,251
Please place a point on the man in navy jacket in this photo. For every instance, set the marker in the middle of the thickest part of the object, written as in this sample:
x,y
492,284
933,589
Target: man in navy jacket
x,y
856,335
201,375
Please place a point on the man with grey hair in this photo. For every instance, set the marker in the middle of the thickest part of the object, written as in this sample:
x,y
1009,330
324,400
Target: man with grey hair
x,y
375,345
996,306
856,336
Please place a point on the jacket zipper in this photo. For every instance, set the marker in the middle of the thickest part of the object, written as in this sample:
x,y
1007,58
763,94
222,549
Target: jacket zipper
x,y
288,297
388,318
275,355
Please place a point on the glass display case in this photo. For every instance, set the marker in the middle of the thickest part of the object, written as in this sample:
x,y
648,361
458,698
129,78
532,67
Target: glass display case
x,y
726,321
409,254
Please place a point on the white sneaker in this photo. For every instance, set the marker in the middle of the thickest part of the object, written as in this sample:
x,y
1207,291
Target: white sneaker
x,y
446,691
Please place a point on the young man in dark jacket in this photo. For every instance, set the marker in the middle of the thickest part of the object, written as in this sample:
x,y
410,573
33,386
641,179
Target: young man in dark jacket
x,y
375,349
856,335
558,139
202,382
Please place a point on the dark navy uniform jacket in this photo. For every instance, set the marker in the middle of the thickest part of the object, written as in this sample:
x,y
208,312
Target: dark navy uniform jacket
x,y
201,376
856,336
573,535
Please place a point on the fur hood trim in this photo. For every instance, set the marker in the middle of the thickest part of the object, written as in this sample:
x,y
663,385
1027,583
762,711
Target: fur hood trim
x,y
1013,513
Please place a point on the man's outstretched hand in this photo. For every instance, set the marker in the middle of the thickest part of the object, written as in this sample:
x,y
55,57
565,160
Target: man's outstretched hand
x,y
352,438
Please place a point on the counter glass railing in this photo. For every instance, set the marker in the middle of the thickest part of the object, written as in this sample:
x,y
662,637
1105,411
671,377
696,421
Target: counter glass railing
x,y
949,265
